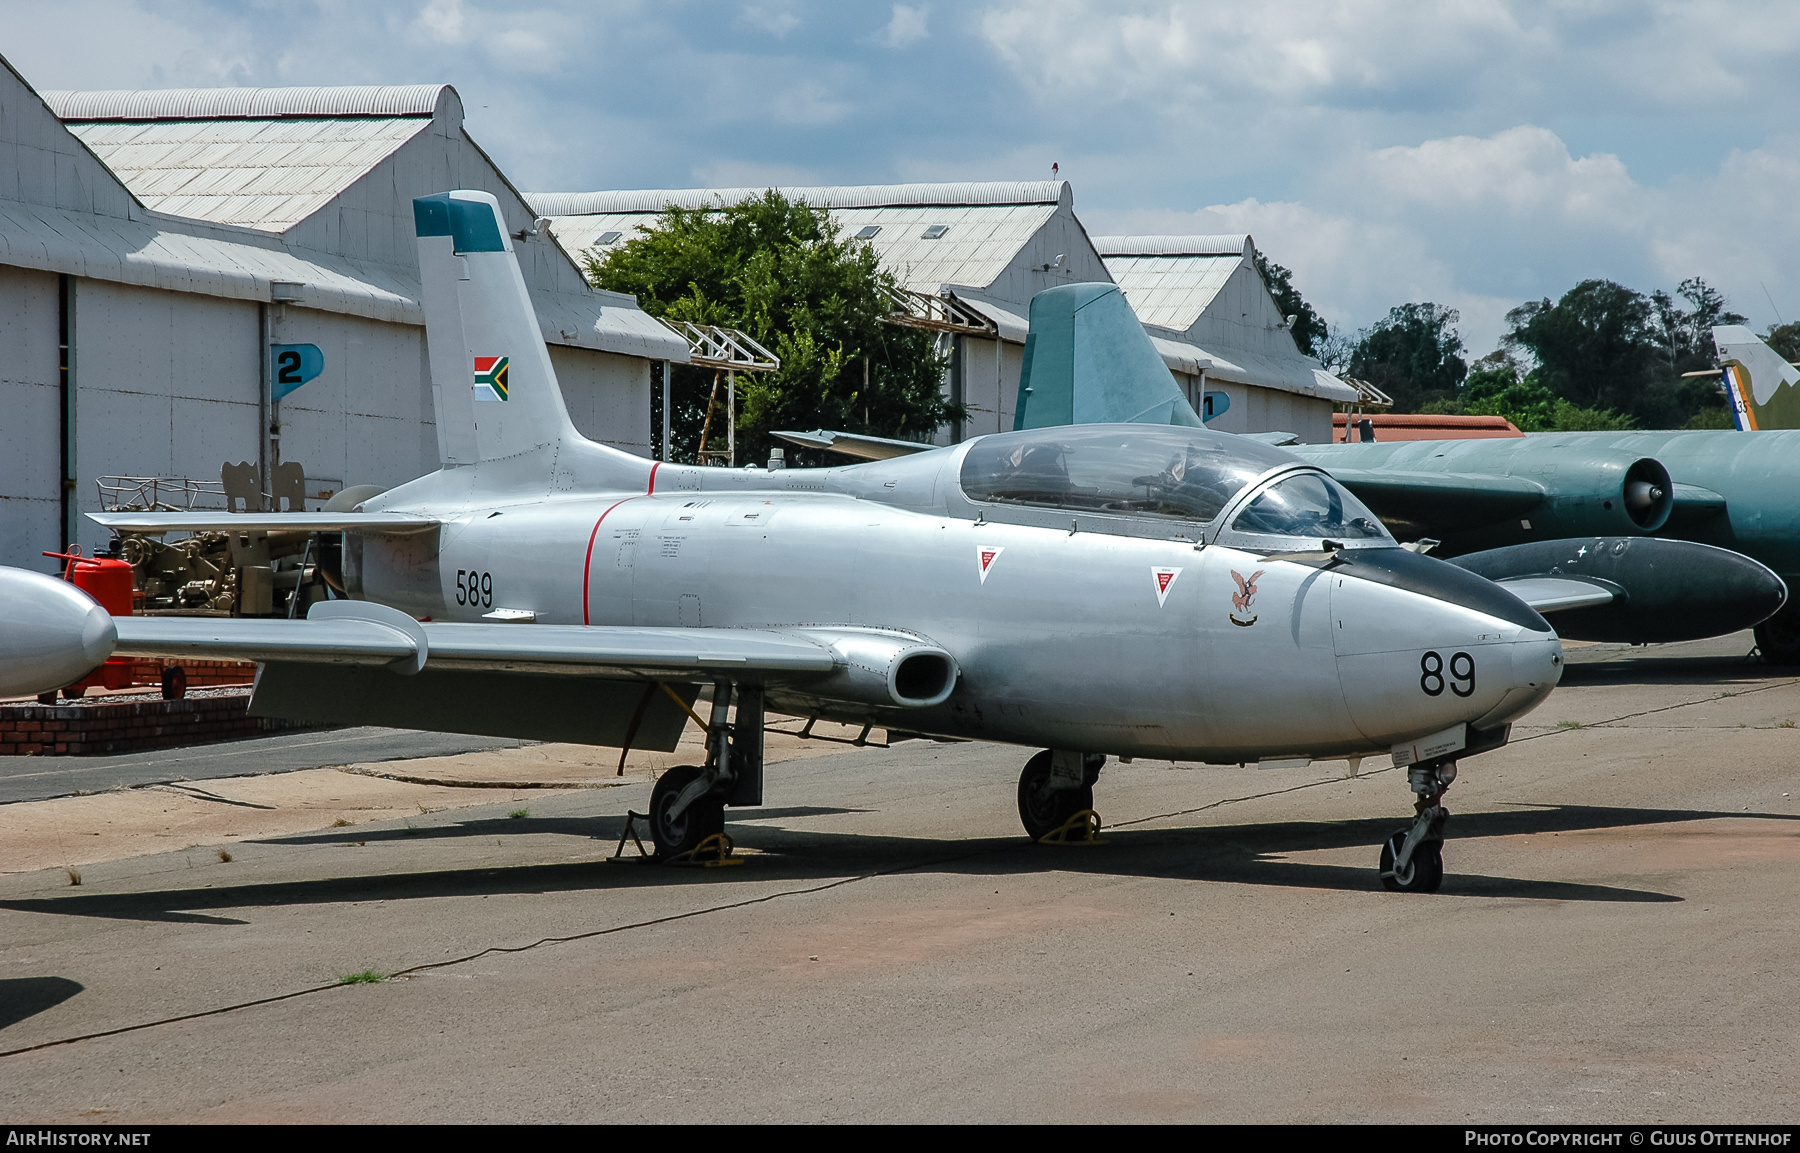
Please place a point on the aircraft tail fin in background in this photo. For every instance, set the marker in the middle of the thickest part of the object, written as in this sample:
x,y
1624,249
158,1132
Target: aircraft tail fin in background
x,y
1759,382
494,390
1088,360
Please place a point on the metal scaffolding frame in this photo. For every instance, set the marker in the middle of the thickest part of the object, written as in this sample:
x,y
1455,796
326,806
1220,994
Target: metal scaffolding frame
x,y
724,350
940,313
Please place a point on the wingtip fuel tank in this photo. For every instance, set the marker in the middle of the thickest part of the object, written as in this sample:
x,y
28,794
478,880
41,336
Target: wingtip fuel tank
x,y
51,633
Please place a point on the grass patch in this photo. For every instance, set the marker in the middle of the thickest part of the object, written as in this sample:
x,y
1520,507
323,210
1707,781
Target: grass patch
x,y
1722,696
517,813
225,856
340,823
366,977
1784,724
1568,724
74,876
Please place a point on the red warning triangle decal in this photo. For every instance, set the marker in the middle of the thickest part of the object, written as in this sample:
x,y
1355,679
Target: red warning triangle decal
x,y
985,555
1165,580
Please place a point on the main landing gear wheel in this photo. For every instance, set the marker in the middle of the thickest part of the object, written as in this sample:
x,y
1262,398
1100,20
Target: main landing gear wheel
x,y
1778,638
675,835
1043,809
1423,874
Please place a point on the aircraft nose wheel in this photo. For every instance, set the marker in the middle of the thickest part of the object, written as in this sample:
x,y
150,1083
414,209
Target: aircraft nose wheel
x,y
1412,860
1043,809
1423,874
677,834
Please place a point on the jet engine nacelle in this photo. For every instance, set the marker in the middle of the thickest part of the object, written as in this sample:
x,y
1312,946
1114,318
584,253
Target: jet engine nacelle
x,y
1601,495
54,634
885,669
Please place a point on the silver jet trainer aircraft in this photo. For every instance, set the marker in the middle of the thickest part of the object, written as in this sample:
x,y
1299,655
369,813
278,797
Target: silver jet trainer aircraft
x,y
1128,590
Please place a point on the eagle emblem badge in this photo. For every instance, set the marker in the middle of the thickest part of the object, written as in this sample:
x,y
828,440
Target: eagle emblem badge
x,y
1242,599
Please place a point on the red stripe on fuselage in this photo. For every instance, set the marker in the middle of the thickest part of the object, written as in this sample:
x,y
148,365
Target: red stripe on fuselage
x,y
651,491
589,562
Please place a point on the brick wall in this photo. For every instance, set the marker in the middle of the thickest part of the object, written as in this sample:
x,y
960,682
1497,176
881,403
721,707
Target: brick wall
x,y
200,674
111,725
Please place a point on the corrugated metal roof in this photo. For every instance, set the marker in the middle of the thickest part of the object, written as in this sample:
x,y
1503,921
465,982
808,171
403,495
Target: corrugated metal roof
x,y
1224,245
267,174
969,194
977,244
1172,290
254,103
158,254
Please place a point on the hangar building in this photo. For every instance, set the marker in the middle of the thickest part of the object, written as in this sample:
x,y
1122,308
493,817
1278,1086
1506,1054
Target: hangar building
x,y
972,256
159,248
1219,329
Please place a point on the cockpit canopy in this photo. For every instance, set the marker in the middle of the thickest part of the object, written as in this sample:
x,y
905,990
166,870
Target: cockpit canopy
x,y
1167,472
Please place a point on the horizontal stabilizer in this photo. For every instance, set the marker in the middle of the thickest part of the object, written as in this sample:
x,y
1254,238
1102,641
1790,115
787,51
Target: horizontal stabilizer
x,y
1551,594
1278,439
221,521
855,444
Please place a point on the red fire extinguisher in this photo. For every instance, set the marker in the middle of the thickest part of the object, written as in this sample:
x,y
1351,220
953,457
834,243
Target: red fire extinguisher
x,y
109,581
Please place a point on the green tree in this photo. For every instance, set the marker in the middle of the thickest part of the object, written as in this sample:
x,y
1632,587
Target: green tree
x,y
1310,330
1785,339
781,271
1494,387
1594,347
1686,334
1605,347
1414,355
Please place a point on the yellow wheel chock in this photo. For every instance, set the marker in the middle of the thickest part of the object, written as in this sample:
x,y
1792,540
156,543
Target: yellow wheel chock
x,y
711,853
630,834
1083,828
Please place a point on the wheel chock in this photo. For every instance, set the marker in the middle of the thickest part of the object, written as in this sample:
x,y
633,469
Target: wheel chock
x,y
712,853
1081,829
630,834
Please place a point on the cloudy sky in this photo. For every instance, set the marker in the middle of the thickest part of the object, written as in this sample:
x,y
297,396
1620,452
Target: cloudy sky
x,y
1475,153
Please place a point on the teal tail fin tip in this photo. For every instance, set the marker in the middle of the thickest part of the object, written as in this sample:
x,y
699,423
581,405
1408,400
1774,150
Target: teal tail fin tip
x,y
1088,360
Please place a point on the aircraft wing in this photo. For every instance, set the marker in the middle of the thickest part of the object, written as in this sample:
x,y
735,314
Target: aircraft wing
x,y
218,520
1428,502
358,633
1552,594
1694,503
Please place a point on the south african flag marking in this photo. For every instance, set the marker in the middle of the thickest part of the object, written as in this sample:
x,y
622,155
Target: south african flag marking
x,y
490,377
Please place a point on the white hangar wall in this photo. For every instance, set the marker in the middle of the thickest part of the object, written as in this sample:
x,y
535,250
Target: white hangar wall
x,y
608,396
367,418
30,416
160,380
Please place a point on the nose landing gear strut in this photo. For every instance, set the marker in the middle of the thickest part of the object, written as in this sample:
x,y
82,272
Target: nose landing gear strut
x,y
1412,860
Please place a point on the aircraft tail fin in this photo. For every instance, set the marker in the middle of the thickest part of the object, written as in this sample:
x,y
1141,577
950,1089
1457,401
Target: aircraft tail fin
x,y
495,392
1759,382
1088,360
